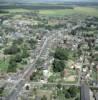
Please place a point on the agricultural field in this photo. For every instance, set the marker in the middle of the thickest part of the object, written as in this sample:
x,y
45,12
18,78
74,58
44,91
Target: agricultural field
x,y
77,10
18,10
88,11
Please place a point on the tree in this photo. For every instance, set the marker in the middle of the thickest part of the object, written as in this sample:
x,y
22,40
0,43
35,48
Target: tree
x,y
51,79
12,50
24,61
18,41
62,74
35,91
49,27
61,54
39,62
58,65
18,58
32,43
78,98
44,98
59,86
96,58
96,48
72,91
12,65
27,87
33,76
67,94
1,91
25,53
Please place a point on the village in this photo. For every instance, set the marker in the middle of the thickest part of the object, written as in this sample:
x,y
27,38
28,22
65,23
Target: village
x,y
48,58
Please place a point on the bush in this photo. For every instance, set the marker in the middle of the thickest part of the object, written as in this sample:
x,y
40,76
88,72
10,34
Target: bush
x,y
44,98
32,43
12,50
96,58
67,95
1,91
78,98
58,65
96,48
61,54
72,91
33,76
18,41
24,62
18,58
25,53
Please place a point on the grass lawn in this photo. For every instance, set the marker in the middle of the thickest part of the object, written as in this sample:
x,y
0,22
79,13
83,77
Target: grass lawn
x,y
3,65
47,93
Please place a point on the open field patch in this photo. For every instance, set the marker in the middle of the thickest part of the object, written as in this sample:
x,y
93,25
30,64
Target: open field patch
x,y
77,10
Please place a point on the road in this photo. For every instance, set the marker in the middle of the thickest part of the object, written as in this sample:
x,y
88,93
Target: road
x,y
13,95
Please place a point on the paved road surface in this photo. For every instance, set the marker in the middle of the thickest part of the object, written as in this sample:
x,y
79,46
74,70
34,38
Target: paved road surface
x,y
20,84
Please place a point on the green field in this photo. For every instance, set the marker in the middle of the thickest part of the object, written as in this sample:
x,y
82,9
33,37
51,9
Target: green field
x,y
18,10
4,65
77,10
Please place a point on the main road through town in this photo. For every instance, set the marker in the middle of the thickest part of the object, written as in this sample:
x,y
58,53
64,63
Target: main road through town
x,y
26,74
14,93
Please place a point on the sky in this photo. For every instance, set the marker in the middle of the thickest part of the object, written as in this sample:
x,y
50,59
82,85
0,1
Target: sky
x,y
48,0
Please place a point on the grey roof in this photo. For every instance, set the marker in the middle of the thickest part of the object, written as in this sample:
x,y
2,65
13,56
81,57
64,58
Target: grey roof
x,y
17,35
84,93
96,96
37,98
2,83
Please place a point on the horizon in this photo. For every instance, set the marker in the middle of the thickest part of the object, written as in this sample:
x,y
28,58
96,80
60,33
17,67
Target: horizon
x,y
46,1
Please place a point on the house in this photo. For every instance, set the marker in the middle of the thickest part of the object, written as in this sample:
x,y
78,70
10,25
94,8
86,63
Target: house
x,y
37,98
16,35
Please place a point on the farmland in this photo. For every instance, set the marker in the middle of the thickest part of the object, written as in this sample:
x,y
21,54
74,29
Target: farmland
x,y
77,10
89,11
